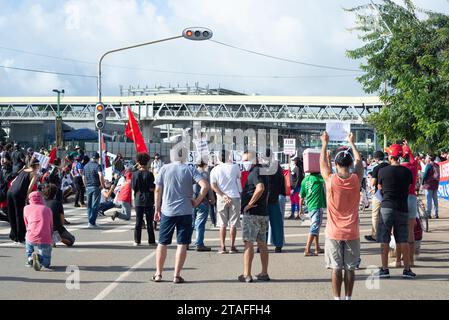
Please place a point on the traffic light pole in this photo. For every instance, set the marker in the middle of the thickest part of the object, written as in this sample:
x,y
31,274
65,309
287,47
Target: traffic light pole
x,y
99,82
196,34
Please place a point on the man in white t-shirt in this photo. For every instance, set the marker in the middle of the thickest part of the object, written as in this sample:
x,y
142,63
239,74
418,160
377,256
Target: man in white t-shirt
x,y
225,181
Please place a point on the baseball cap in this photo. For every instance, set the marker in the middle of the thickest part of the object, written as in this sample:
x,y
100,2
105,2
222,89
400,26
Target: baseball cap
x,y
95,156
395,150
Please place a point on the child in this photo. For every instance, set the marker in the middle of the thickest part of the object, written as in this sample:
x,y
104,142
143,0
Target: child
x,y
124,199
312,189
39,232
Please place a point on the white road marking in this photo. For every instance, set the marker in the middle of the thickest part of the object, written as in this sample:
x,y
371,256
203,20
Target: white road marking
x,y
103,294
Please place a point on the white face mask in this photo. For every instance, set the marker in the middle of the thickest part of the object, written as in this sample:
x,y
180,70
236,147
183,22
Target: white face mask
x,y
247,165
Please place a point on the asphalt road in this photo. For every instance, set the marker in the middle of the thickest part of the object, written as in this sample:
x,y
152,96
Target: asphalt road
x,y
110,267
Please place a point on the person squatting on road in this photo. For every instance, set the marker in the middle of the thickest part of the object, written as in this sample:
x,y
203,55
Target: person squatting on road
x,y
39,232
342,246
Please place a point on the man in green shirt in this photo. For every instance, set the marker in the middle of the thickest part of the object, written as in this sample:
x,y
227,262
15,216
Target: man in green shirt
x,y
312,189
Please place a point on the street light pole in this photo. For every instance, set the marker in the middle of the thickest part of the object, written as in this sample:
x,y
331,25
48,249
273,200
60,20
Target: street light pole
x,y
58,120
196,34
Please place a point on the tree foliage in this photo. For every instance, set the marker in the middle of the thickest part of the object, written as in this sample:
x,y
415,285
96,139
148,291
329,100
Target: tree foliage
x,y
409,69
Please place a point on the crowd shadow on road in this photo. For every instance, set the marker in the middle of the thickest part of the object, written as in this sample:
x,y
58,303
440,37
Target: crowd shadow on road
x,y
235,281
56,281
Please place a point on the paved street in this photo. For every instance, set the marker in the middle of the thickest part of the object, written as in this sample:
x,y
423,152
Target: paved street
x,y
111,268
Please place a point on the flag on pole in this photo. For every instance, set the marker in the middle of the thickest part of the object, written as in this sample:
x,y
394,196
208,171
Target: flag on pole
x,y
132,131
52,156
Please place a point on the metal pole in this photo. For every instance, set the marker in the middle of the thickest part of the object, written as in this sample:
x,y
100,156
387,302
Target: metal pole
x,y
99,84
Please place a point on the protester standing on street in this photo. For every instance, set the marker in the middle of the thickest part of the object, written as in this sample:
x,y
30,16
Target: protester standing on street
x,y
394,183
18,193
312,190
201,212
255,219
297,174
143,187
276,188
18,158
156,165
93,180
225,181
77,177
379,158
342,247
431,180
174,203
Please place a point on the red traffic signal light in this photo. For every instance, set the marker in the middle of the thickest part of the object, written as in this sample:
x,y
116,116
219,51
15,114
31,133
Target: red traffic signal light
x,y
197,34
100,107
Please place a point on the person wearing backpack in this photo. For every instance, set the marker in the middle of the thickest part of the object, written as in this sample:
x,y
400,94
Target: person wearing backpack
x,y
431,180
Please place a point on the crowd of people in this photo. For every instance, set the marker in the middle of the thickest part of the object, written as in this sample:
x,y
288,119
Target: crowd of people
x,y
181,197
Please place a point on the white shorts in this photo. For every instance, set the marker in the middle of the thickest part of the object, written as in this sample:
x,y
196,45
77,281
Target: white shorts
x,y
228,215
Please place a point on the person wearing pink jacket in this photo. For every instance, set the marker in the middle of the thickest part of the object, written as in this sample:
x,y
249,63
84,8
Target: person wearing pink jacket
x,y
39,232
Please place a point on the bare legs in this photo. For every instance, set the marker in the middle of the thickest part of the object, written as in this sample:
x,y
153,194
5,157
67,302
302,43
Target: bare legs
x,y
248,257
161,255
337,281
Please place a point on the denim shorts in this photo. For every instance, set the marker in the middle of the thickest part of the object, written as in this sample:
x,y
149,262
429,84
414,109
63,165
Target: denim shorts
x,y
392,219
316,218
412,204
183,225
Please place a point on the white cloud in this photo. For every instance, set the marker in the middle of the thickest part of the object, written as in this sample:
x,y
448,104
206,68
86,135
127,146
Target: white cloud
x,y
311,31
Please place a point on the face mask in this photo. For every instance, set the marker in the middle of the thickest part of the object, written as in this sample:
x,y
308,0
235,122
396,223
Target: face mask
x,y
247,165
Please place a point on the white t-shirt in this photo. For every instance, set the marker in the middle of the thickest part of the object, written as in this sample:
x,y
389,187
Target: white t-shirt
x,y
227,177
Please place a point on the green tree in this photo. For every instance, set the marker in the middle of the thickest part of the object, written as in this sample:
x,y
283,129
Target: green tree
x,y
405,59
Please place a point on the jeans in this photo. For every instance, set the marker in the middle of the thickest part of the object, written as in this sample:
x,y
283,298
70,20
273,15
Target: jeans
x,y
201,213
105,206
80,189
93,204
126,211
432,195
148,212
213,215
44,252
276,228
282,204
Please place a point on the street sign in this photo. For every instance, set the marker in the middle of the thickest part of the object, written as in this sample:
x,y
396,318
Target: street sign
x,y
290,147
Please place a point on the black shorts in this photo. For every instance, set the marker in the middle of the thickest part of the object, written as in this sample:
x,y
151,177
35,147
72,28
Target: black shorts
x,y
392,219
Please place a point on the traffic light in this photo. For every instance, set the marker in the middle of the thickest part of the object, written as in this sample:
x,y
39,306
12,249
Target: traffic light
x,y
100,116
197,34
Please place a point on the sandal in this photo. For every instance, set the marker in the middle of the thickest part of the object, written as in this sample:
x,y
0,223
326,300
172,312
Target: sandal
x,y
222,250
309,254
178,280
321,251
157,278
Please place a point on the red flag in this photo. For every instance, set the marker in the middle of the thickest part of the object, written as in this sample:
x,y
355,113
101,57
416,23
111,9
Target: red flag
x,y
132,131
52,156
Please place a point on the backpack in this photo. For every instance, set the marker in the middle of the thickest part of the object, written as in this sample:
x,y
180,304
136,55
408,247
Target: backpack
x,y
436,172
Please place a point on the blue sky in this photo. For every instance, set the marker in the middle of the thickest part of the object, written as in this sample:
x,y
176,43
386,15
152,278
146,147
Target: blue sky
x,y
306,30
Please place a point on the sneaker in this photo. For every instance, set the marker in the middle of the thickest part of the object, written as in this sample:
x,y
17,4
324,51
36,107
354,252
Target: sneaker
x,y
203,249
383,273
263,277
29,263
278,250
92,226
246,279
136,244
408,274
370,238
115,215
36,263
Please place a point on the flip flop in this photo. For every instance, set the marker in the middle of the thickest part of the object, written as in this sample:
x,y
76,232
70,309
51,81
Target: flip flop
x,y
178,280
309,254
157,278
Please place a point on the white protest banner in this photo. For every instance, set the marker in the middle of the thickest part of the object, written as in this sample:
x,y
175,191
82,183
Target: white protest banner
x,y
290,147
338,131
108,174
201,146
43,160
111,155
